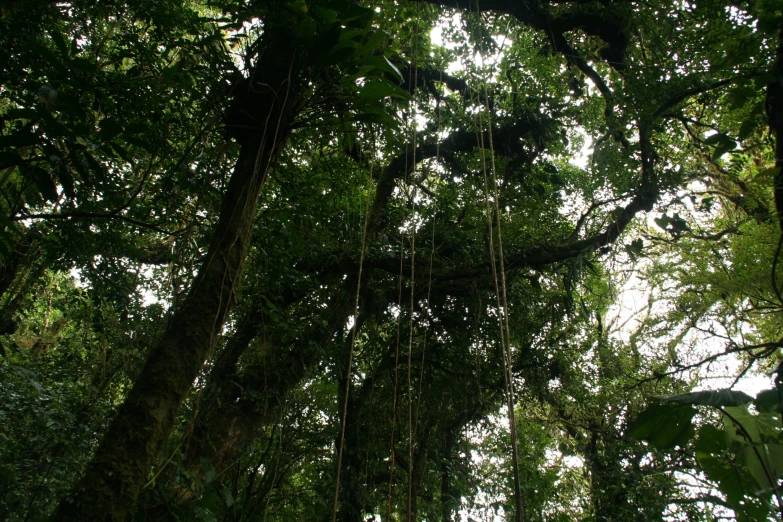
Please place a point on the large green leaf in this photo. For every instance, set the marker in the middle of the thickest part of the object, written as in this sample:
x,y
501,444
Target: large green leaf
x,y
664,426
383,64
9,159
43,181
755,440
720,398
379,88
769,400
110,128
20,139
715,459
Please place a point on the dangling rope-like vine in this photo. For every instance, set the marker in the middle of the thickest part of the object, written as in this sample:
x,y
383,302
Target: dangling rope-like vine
x,y
341,438
409,165
500,288
396,369
429,277
413,81
413,283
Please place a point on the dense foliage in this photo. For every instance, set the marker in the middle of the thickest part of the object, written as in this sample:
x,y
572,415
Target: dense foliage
x,y
337,259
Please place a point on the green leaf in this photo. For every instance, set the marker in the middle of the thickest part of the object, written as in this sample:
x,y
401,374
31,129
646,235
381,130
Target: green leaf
x,y
679,224
722,144
740,95
211,500
663,221
715,459
19,139
141,143
376,115
228,497
730,481
766,177
664,426
755,440
9,159
714,139
747,128
375,41
122,152
326,16
380,88
351,14
342,52
43,181
59,42
77,163
210,474
110,129
65,179
270,306
720,398
738,417
723,148
710,440
94,165
769,400
634,250
382,63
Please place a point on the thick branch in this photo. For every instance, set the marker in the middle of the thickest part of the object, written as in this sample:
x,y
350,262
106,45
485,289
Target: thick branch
x,y
775,116
537,256
608,22
94,215
426,77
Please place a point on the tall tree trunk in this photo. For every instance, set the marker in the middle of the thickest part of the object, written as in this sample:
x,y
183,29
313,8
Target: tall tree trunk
x,y
608,488
222,430
232,409
775,116
447,501
349,490
419,467
10,268
122,462
21,289
13,284
232,414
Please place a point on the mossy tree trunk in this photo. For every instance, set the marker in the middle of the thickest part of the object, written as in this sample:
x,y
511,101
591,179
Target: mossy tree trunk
x,y
14,261
261,119
239,404
232,412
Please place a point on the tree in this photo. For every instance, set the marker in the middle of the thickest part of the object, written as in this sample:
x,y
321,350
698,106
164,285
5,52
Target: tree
x,y
364,250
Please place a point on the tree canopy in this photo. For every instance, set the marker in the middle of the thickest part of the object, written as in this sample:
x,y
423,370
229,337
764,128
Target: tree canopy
x,y
352,260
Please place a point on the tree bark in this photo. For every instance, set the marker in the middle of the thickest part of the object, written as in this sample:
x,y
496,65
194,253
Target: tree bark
x,y
9,270
447,501
775,116
15,298
235,413
232,413
122,462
